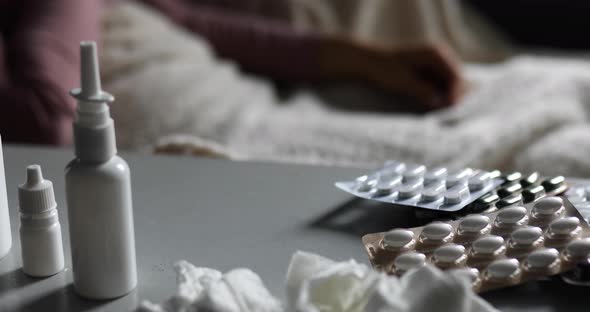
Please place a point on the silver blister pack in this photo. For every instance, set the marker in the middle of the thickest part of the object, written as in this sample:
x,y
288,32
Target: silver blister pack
x,y
416,185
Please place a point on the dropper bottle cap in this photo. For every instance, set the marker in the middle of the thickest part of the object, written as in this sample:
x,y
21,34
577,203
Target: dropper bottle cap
x,y
36,194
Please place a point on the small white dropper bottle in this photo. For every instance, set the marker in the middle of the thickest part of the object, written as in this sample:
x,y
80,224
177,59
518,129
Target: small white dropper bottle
x,y
40,231
98,193
5,234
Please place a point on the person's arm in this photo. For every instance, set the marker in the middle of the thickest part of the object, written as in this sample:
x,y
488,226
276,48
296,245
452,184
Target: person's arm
x,y
39,64
274,48
429,73
260,45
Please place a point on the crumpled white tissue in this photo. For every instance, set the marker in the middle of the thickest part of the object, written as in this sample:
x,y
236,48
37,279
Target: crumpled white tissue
x,y
315,283
204,289
318,284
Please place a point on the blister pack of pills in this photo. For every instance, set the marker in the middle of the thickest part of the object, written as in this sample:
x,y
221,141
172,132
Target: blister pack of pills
x,y
416,185
437,190
506,247
518,189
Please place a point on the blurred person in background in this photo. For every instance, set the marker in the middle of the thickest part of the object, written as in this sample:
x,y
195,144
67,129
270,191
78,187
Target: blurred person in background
x,y
39,57
39,47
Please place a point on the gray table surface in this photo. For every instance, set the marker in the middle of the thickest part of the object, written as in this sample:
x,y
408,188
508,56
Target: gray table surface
x,y
220,214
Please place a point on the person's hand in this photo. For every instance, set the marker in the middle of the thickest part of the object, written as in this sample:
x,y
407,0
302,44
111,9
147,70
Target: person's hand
x,y
429,73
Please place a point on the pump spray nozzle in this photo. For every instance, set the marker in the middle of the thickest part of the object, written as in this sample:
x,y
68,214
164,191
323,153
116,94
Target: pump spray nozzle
x,y
90,90
94,133
92,108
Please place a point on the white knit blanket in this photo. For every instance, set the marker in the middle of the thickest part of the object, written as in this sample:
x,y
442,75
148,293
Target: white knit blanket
x,y
529,113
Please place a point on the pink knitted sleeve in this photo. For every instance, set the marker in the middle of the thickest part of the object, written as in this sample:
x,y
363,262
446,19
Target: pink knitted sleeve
x,y
259,44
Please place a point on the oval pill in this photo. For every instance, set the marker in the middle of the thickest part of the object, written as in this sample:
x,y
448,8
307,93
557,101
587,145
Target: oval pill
x,y
531,179
495,174
433,193
410,190
488,245
547,206
514,199
511,215
553,183
485,202
456,194
414,172
449,253
578,249
533,193
473,224
564,226
435,175
367,185
397,238
542,259
479,181
362,179
526,236
509,190
503,269
437,231
459,177
386,187
512,177
409,260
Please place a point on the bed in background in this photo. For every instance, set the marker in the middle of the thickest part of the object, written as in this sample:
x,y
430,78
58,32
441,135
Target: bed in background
x,y
528,113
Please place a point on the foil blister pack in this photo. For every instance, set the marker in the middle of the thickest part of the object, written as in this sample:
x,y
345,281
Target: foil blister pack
x,y
416,185
516,189
498,249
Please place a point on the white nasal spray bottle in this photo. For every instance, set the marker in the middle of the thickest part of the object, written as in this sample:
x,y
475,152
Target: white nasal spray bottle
x,y
40,231
98,192
5,234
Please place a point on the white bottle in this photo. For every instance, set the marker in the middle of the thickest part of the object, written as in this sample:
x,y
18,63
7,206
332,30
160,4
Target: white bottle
x,y
5,234
40,231
98,192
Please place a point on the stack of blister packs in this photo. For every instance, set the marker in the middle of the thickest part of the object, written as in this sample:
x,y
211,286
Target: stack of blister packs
x,y
507,228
